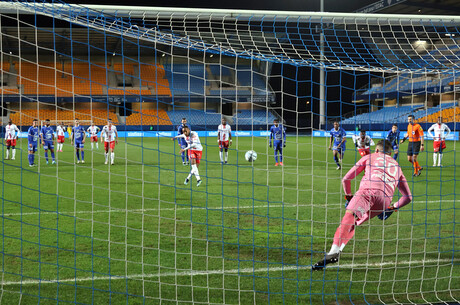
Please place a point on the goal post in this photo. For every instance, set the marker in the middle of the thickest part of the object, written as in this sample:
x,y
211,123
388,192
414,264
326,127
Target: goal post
x,y
147,230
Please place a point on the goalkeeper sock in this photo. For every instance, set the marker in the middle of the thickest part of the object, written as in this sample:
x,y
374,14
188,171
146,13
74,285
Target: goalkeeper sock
x,y
344,232
226,156
220,156
395,156
46,156
196,172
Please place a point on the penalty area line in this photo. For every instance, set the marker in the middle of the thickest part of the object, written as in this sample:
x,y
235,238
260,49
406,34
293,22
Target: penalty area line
x,y
211,272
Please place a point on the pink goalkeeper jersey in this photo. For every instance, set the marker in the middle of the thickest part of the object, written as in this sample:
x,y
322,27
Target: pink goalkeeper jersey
x,y
381,172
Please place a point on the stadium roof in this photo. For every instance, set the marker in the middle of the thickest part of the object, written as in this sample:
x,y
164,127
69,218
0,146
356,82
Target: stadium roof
x,y
422,7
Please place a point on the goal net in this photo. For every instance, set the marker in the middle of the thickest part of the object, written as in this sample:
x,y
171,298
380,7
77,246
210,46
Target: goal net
x,y
154,227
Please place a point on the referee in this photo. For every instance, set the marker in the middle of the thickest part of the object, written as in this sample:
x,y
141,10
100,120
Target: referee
x,y
415,136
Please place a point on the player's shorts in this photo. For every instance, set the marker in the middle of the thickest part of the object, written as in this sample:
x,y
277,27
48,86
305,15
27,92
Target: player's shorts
x,y
439,146
395,147
60,139
10,142
48,145
364,151
340,150
33,148
109,144
93,138
277,145
195,154
413,148
223,144
367,204
79,145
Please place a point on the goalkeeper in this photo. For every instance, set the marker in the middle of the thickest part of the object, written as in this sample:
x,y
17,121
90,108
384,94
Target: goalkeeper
x,y
382,175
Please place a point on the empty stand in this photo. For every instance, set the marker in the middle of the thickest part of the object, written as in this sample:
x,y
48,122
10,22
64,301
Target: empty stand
x,y
149,117
255,117
195,117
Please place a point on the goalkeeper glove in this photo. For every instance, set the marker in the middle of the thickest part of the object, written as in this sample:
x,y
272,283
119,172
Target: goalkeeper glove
x,y
387,213
348,199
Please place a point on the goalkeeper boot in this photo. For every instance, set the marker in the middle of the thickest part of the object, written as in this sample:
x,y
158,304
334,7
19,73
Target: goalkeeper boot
x,y
328,259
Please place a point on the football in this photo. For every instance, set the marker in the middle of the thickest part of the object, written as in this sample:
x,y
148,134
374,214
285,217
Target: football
x,y
251,156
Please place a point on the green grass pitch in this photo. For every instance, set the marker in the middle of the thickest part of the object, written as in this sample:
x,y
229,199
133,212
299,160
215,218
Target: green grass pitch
x,y
133,233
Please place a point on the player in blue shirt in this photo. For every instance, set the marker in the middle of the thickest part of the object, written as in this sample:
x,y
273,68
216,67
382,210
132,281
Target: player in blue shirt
x,y
338,135
32,140
278,134
181,141
47,137
78,137
393,137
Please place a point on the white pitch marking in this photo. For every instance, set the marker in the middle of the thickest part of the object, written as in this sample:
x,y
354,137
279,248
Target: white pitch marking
x,y
209,272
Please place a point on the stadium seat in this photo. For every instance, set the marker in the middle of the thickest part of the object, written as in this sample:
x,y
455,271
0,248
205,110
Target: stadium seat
x,y
149,117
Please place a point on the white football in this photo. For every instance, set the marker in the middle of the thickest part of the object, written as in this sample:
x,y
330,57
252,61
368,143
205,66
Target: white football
x,y
251,156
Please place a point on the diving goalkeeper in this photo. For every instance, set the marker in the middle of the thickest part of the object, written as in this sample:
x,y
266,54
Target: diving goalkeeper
x,y
382,175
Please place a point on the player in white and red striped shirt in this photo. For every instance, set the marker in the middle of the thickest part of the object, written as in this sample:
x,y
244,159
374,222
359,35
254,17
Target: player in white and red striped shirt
x,y
224,138
93,130
110,135
11,135
195,151
60,131
441,131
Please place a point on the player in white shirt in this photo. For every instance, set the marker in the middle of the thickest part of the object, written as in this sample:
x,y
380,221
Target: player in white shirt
x,y
441,131
60,131
11,135
194,150
93,130
363,142
110,135
224,138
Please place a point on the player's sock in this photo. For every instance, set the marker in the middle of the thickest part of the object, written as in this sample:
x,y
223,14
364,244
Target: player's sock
x,y
78,155
196,172
417,166
220,156
14,153
226,156
395,156
439,160
92,145
29,156
434,158
112,157
97,145
33,158
106,155
344,232
46,156
190,174
82,155
183,156
52,155
281,154
7,153
336,159
276,157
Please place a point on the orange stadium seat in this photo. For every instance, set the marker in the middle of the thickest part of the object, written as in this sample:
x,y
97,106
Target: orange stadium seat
x,y
149,117
448,115
83,79
98,116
